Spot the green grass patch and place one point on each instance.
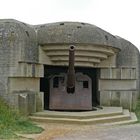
(137, 110)
(11, 123)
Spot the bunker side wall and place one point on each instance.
(19, 66)
(118, 87)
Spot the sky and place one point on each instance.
(119, 17)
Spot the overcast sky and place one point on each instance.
(119, 17)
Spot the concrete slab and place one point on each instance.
(106, 111)
(108, 119)
(105, 116)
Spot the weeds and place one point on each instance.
(137, 110)
(11, 122)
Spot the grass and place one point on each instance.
(137, 110)
(11, 123)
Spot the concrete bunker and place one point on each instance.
(35, 58)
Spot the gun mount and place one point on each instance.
(71, 90)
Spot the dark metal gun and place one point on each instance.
(71, 71)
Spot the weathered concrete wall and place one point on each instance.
(74, 32)
(129, 56)
(126, 99)
(22, 84)
(86, 55)
(117, 84)
(128, 69)
(18, 48)
(118, 87)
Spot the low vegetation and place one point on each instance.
(137, 110)
(12, 123)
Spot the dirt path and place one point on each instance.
(125, 132)
(54, 131)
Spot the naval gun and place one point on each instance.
(71, 71)
(71, 90)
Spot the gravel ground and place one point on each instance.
(127, 132)
(54, 131)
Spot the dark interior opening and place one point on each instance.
(49, 71)
(85, 84)
(55, 82)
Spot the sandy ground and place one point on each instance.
(54, 131)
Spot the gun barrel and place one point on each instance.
(71, 71)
